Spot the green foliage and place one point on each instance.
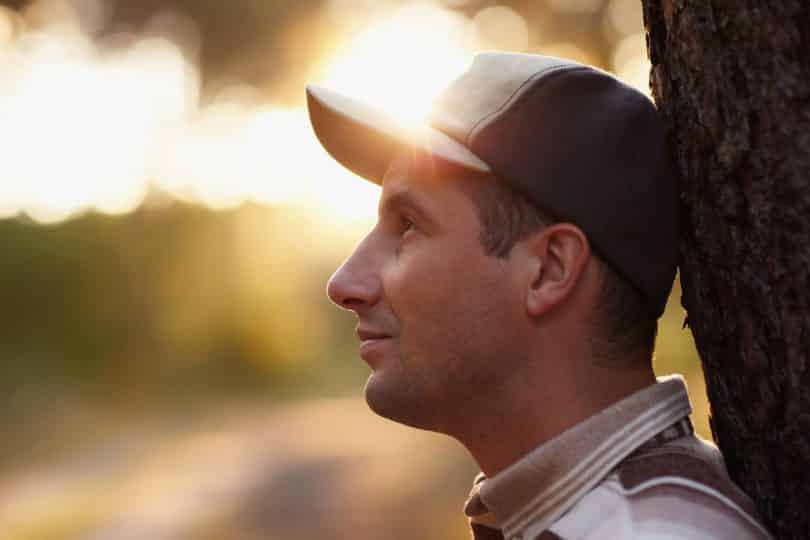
(172, 301)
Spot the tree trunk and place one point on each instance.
(732, 79)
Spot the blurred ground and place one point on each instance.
(246, 471)
(242, 470)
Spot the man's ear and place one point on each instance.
(559, 255)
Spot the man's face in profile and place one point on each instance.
(433, 308)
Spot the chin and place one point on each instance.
(397, 402)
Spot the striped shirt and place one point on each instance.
(635, 470)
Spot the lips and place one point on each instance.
(373, 344)
(367, 334)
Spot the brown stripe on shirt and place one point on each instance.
(673, 461)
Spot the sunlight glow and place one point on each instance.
(500, 27)
(624, 16)
(79, 123)
(630, 62)
(89, 122)
(398, 66)
(7, 24)
(232, 152)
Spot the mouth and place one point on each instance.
(366, 334)
(371, 342)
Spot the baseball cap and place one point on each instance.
(573, 139)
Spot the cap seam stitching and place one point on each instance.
(513, 97)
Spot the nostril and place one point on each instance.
(352, 303)
(345, 299)
(351, 294)
(340, 293)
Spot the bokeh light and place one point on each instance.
(624, 16)
(129, 112)
(569, 50)
(502, 28)
(575, 6)
(172, 366)
(81, 123)
(630, 62)
(396, 66)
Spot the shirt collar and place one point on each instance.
(544, 484)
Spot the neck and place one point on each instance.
(528, 411)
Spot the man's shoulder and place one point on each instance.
(688, 467)
(679, 490)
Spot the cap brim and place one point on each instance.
(364, 140)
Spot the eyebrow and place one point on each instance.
(404, 199)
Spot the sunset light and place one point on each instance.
(399, 67)
(130, 113)
(193, 284)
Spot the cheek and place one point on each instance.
(422, 284)
(447, 297)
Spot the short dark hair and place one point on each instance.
(628, 323)
(507, 217)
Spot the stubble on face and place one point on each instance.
(450, 303)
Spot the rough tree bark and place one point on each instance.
(732, 78)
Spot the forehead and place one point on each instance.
(417, 170)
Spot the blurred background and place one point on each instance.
(172, 368)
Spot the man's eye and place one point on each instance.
(405, 224)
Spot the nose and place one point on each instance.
(356, 284)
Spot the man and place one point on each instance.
(509, 293)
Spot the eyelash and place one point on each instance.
(406, 224)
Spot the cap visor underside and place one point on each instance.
(364, 139)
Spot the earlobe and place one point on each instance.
(559, 253)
